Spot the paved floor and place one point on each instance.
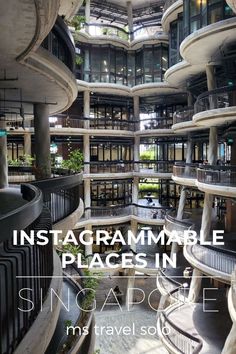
(139, 342)
(139, 320)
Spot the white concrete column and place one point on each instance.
(190, 99)
(209, 198)
(182, 201)
(86, 109)
(135, 190)
(130, 19)
(134, 230)
(211, 77)
(195, 286)
(130, 273)
(86, 150)
(213, 146)
(88, 248)
(42, 140)
(87, 198)
(27, 144)
(183, 195)
(87, 14)
(136, 109)
(136, 152)
(3, 158)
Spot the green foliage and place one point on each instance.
(77, 22)
(149, 187)
(79, 60)
(67, 323)
(148, 155)
(97, 351)
(24, 160)
(91, 281)
(75, 161)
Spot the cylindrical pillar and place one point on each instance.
(87, 198)
(42, 140)
(136, 109)
(135, 194)
(136, 152)
(130, 19)
(134, 230)
(86, 109)
(88, 248)
(86, 149)
(3, 156)
(213, 146)
(87, 14)
(195, 286)
(27, 144)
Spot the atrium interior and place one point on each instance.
(117, 116)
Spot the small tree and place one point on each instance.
(74, 162)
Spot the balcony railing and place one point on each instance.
(156, 123)
(185, 170)
(150, 212)
(101, 29)
(146, 212)
(218, 259)
(111, 211)
(183, 115)
(217, 175)
(220, 98)
(156, 166)
(61, 195)
(112, 124)
(177, 338)
(174, 224)
(110, 166)
(23, 266)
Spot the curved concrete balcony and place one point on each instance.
(114, 214)
(171, 10)
(182, 121)
(207, 42)
(35, 20)
(41, 76)
(218, 180)
(216, 107)
(156, 169)
(213, 261)
(97, 169)
(116, 35)
(155, 126)
(185, 173)
(145, 89)
(172, 224)
(193, 328)
(151, 214)
(178, 74)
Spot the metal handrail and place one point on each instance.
(214, 99)
(211, 256)
(20, 218)
(217, 175)
(192, 348)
